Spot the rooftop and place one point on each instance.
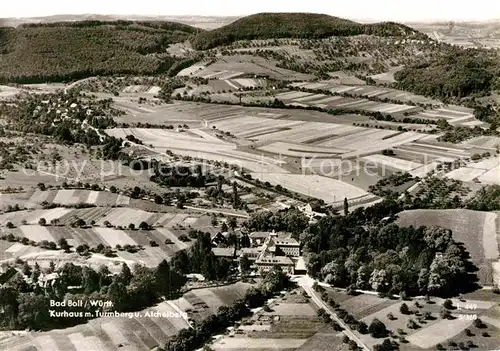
(224, 251)
(275, 259)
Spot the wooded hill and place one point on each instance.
(296, 25)
(34, 53)
(458, 72)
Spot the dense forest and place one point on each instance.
(295, 25)
(457, 73)
(37, 53)
(359, 252)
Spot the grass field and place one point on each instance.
(477, 230)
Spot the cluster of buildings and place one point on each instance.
(267, 250)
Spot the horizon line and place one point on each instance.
(245, 15)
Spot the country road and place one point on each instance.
(306, 284)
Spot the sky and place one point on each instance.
(396, 10)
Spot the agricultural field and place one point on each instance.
(330, 190)
(486, 171)
(477, 230)
(139, 331)
(365, 91)
(229, 67)
(290, 323)
(367, 307)
(331, 102)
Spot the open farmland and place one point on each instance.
(139, 331)
(203, 145)
(229, 67)
(331, 102)
(477, 230)
(486, 171)
(79, 196)
(328, 189)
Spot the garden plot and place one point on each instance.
(475, 229)
(209, 298)
(293, 95)
(328, 189)
(114, 237)
(36, 233)
(357, 138)
(387, 161)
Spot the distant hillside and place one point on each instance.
(33, 53)
(294, 25)
(458, 72)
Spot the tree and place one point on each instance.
(214, 221)
(448, 304)
(158, 199)
(42, 221)
(52, 267)
(352, 345)
(224, 227)
(144, 226)
(245, 241)
(63, 244)
(232, 223)
(10, 225)
(26, 269)
(125, 274)
(479, 323)
(404, 309)
(346, 207)
(377, 329)
(245, 265)
(118, 295)
(362, 327)
(446, 314)
(131, 226)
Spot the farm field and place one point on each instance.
(330, 190)
(486, 142)
(229, 67)
(328, 101)
(477, 230)
(486, 171)
(79, 196)
(366, 91)
(202, 145)
(139, 331)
